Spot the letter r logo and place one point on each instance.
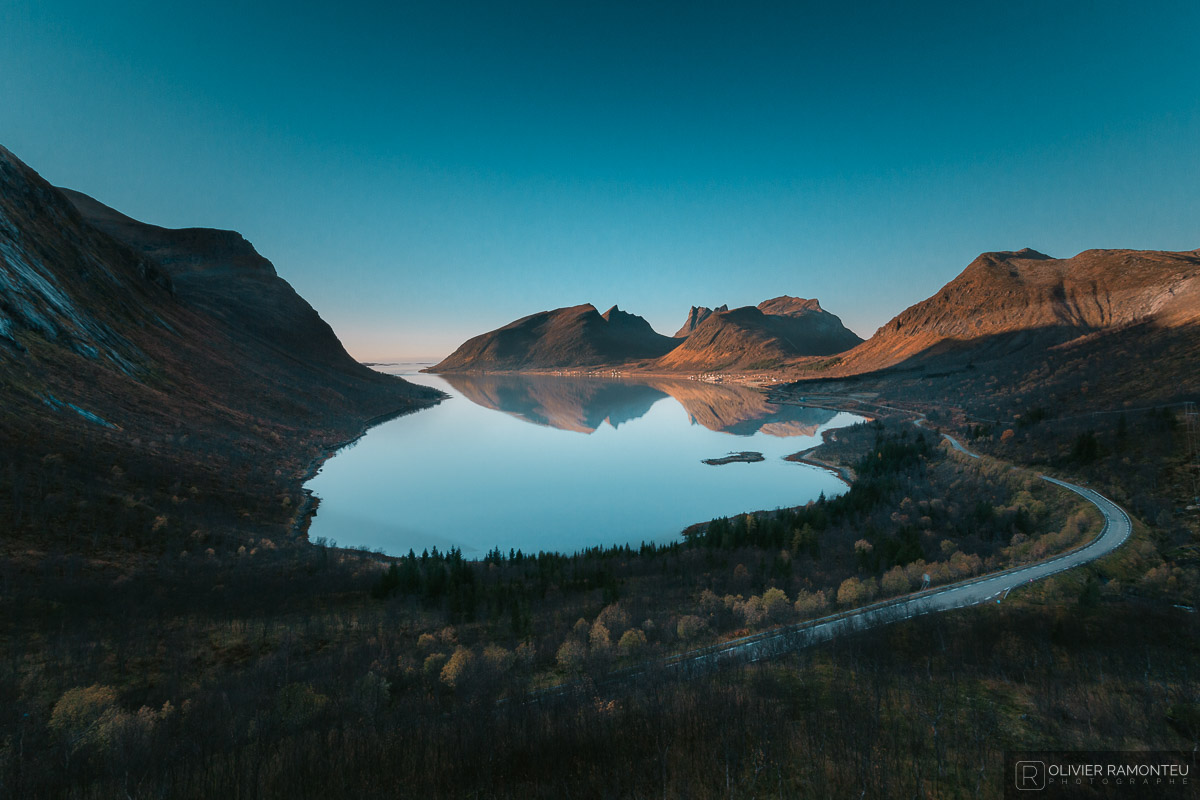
(1031, 776)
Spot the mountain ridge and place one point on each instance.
(577, 337)
(569, 337)
(114, 365)
(1007, 301)
(697, 315)
(221, 273)
(769, 335)
(1001, 303)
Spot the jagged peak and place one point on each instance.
(616, 315)
(695, 316)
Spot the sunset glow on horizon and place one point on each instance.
(425, 172)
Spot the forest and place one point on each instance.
(248, 666)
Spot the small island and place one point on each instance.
(744, 457)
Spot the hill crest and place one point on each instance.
(563, 338)
(1009, 300)
(772, 334)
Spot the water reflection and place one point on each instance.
(583, 404)
(472, 472)
(566, 403)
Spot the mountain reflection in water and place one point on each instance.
(473, 473)
(583, 404)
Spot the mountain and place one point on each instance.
(573, 337)
(730, 408)
(176, 362)
(583, 403)
(696, 315)
(788, 306)
(222, 274)
(1010, 302)
(569, 403)
(774, 333)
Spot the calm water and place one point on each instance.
(549, 463)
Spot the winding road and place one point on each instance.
(954, 443)
(973, 591)
(995, 586)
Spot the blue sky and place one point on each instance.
(422, 172)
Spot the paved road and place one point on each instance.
(920, 423)
(954, 443)
(995, 586)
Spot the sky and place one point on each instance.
(424, 172)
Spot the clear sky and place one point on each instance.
(422, 172)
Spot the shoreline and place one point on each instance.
(307, 508)
(747, 379)
(844, 474)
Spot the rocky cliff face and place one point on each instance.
(696, 315)
(63, 284)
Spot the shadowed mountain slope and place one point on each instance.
(566, 338)
(222, 274)
(752, 338)
(144, 353)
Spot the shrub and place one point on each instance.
(632, 641)
(895, 582)
(297, 703)
(433, 664)
(599, 637)
(571, 656)
(810, 604)
(457, 670)
(854, 592)
(776, 604)
(83, 715)
(690, 626)
(614, 618)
